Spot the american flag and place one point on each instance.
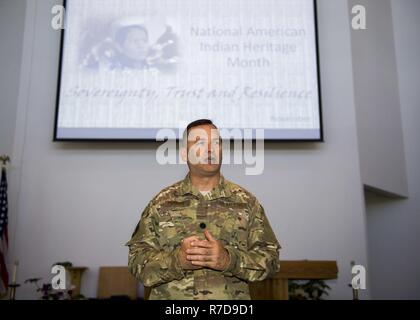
(4, 241)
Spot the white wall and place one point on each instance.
(377, 101)
(12, 17)
(394, 225)
(81, 201)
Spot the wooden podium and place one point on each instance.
(277, 288)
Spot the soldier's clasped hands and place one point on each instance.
(208, 253)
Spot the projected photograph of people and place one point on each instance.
(131, 44)
(130, 68)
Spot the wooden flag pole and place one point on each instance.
(14, 285)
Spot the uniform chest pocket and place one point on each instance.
(173, 226)
(232, 225)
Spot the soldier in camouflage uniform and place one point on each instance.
(203, 237)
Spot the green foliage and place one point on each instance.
(307, 289)
(46, 290)
(65, 264)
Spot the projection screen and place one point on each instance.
(129, 68)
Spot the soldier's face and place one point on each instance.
(204, 150)
(136, 44)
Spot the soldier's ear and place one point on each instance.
(184, 153)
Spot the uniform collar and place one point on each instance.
(220, 191)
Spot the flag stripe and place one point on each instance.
(4, 241)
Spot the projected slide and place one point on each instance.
(132, 67)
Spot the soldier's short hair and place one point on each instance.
(193, 124)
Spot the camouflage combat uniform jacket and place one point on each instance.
(231, 214)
